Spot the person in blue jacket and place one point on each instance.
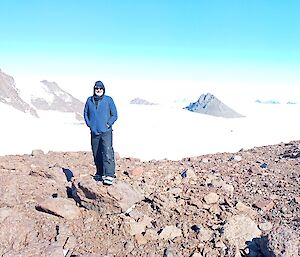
(100, 113)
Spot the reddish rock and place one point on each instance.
(61, 207)
(265, 205)
(136, 172)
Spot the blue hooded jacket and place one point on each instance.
(101, 118)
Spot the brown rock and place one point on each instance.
(265, 205)
(37, 152)
(211, 198)
(61, 207)
(136, 172)
(151, 235)
(140, 239)
(105, 199)
(240, 229)
(170, 232)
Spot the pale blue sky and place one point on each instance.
(243, 41)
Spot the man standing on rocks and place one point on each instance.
(100, 113)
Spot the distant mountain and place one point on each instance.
(56, 99)
(290, 102)
(46, 96)
(267, 102)
(9, 94)
(141, 101)
(273, 102)
(209, 104)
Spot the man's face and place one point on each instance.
(99, 91)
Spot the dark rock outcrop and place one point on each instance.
(211, 105)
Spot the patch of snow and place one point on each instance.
(7, 99)
(29, 89)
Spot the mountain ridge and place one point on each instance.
(48, 96)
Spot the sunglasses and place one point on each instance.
(98, 88)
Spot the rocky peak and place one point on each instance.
(9, 94)
(211, 105)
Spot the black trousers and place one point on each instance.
(103, 153)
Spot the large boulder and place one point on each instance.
(60, 207)
(94, 195)
(239, 229)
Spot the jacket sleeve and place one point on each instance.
(113, 113)
(86, 114)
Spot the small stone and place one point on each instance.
(168, 253)
(266, 226)
(205, 234)
(136, 172)
(151, 235)
(229, 189)
(170, 232)
(136, 227)
(205, 160)
(129, 246)
(196, 255)
(37, 152)
(135, 214)
(265, 205)
(211, 198)
(220, 244)
(140, 239)
(237, 158)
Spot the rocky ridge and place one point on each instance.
(61, 100)
(226, 204)
(57, 98)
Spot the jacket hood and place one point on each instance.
(100, 85)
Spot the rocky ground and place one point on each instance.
(226, 204)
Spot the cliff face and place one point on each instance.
(211, 105)
(9, 94)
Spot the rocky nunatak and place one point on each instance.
(226, 204)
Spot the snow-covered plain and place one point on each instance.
(154, 131)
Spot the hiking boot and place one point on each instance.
(108, 180)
